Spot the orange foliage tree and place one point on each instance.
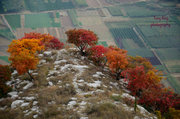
(117, 60)
(82, 39)
(23, 54)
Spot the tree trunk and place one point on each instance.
(117, 75)
(135, 104)
(30, 76)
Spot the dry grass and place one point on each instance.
(56, 112)
(42, 75)
(107, 111)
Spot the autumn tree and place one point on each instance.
(82, 39)
(139, 80)
(23, 54)
(96, 54)
(139, 61)
(5, 75)
(50, 42)
(117, 61)
(158, 98)
(55, 44)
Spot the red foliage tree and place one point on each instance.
(55, 44)
(96, 53)
(117, 61)
(82, 39)
(5, 75)
(158, 98)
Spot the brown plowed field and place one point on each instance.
(92, 3)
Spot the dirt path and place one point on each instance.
(57, 33)
(123, 12)
(22, 20)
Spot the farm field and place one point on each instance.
(13, 20)
(45, 5)
(124, 23)
(80, 3)
(44, 20)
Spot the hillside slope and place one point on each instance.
(69, 86)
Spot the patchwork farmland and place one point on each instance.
(124, 23)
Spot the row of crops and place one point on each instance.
(125, 33)
(160, 37)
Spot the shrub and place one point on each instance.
(55, 44)
(50, 42)
(96, 54)
(23, 54)
(5, 75)
(82, 39)
(117, 61)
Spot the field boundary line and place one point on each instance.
(6, 22)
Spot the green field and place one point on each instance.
(144, 52)
(115, 11)
(102, 43)
(171, 58)
(136, 11)
(80, 3)
(40, 20)
(11, 6)
(6, 33)
(174, 83)
(45, 5)
(5, 58)
(14, 21)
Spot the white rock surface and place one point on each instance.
(126, 95)
(42, 61)
(28, 98)
(24, 104)
(12, 93)
(84, 118)
(28, 86)
(16, 103)
(95, 84)
(60, 61)
(35, 103)
(72, 103)
(50, 83)
(114, 94)
(35, 116)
